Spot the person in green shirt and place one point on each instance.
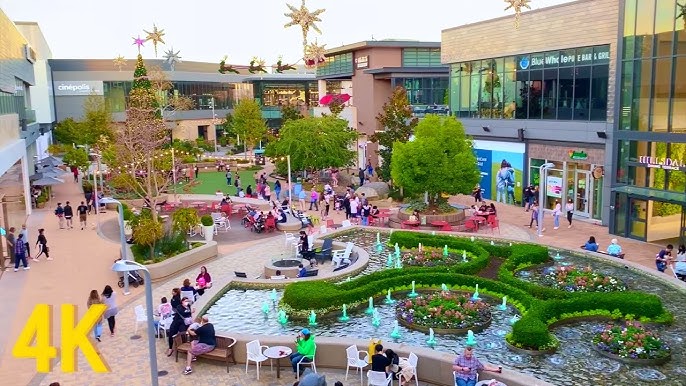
(304, 349)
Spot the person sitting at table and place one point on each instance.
(374, 212)
(414, 217)
(187, 287)
(379, 360)
(203, 281)
(483, 208)
(304, 349)
(282, 217)
(206, 342)
(590, 245)
(491, 209)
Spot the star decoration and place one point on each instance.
(155, 37)
(138, 42)
(314, 54)
(517, 5)
(171, 58)
(119, 62)
(304, 18)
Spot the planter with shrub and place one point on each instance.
(208, 226)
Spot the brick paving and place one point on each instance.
(83, 262)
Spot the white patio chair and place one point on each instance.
(346, 224)
(322, 229)
(255, 354)
(342, 256)
(290, 239)
(455, 377)
(310, 363)
(192, 232)
(221, 223)
(412, 359)
(354, 360)
(379, 378)
(141, 317)
(188, 294)
(163, 325)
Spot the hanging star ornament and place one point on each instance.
(304, 18)
(171, 58)
(138, 42)
(314, 54)
(517, 5)
(119, 62)
(155, 37)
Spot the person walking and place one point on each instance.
(267, 192)
(20, 254)
(93, 299)
(26, 238)
(197, 171)
(314, 199)
(82, 210)
(88, 196)
(75, 172)
(228, 177)
(361, 176)
(556, 214)
(42, 245)
(109, 300)
(59, 212)
(534, 214)
(476, 193)
(277, 189)
(569, 207)
(68, 215)
(10, 239)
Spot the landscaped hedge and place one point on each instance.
(540, 305)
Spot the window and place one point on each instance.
(535, 93)
(566, 96)
(421, 57)
(664, 26)
(341, 64)
(661, 90)
(582, 92)
(599, 84)
(549, 98)
(625, 96)
(679, 97)
(640, 118)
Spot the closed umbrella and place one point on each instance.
(47, 181)
(51, 161)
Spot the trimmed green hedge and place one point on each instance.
(541, 304)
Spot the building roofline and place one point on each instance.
(524, 14)
(382, 44)
(404, 70)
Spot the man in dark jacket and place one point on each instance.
(68, 215)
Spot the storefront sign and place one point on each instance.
(578, 155)
(553, 186)
(598, 172)
(362, 62)
(565, 58)
(82, 88)
(661, 163)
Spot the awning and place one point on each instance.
(653, 194)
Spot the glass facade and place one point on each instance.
(649, 182)
(341, 64)
(424, 91)
(569, 84)
(201, 93)
(421, 57)
(275, 94)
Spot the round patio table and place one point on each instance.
(278, 352)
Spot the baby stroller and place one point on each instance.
(134, 279)
(258, 226)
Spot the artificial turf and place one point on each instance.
(210, 180)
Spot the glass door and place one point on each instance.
(682, 234)
(638, 218)
(581, 193)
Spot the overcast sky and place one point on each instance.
(206, 30)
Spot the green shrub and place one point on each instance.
(168, 246)
(530, 333)
(206, 220)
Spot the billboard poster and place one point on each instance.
(553, 186)
(484, 162)
(491, 156)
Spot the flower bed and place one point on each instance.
(573, 279)
(430, 257)
(445, 312)
(631, 343)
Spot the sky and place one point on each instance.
(207, 30)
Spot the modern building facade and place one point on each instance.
(74, 80)
(540, 93)
(370, 70)
(649, 160)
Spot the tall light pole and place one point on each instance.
(214, 126)
(288, 160)
(126, 266)
(542, 171)
(122, 236)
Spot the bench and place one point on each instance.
(222, 352)
(311, 272)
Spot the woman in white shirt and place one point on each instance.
(556, 214)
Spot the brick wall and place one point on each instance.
(561, 153)
(570, 25)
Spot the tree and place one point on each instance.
(397, 124)
(138, 144)
(77, 157)
(290, 112)
(95, 126)
(248, 123)
(314, 143)
(439, 160)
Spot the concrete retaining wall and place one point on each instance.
(182, 262)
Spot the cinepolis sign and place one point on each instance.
(65, 88)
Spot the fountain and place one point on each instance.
(503, 306)
(514, 319)
(432, 340)
(413, 294)
(397, 250)
(419, 248)
(471, 340)
(395, 334)
(444, 288)
(348, 279)
(370, 309)
(557, 256)
(344, 317)
(376, 318)
(433, 233)
(283, 318)
(472, 238)
(492, 242)
(379, 246)
(389, 262)
(510, 244)
(476, 293)
(313, 318)
(464, 256)
(265, 308)
(389, 300)
(398, 263)
(445, 251)
(273, 295)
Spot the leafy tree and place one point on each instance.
(77, 157)
(314, 143)
(96, 124)
(439, 160)
(68, 131)
(290, 112)
(397, 123)
(248, 123)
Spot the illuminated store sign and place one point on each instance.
(661, 163)
(85, 88)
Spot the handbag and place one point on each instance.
(188, 321)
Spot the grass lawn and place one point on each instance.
(211, 180)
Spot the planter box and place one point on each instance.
(452, 218)
(182, 262)
(529, 352)
(631, 361)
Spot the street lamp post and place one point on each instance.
(288, 160)
(542, 170)
(126, 266)
(214, 127)
(122, 236)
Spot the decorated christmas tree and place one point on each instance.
(140, 75)
(142, 97)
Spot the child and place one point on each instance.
(197, 322)
(663, 258)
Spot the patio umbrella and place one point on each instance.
(47, 181)
(51, 161)
(328, 98)
(52, 169)
(44, 174)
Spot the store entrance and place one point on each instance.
(638, 218)
(579, 190)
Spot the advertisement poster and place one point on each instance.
(489, 158)
(553, 186)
